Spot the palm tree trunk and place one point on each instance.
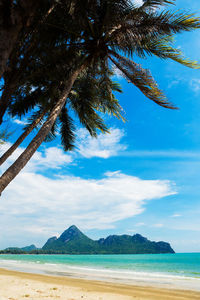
(10, 151)
(12, 21)
(12, 83)
(23, 159)
(8, 38)
(5, 99)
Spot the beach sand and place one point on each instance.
(19, 286)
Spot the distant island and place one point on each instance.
(73, 241)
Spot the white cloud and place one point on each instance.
(20, 122)
(106, 145)
(139, 224)
(117, 72)
(159, 225)
(37, 207)
(176, 215)
(162, 153)
(138, 2)
(195, 84)
(51, 157)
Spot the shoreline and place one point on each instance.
(142, 279)
(17, 285)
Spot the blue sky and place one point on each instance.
(142, 178)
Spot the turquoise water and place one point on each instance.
(184, 264)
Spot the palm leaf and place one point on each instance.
(142, 79)
(161, 48)
(66, 130)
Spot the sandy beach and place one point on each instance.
(17, 286)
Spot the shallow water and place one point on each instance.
(170, 270)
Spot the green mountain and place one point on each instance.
(29, 248)
(73, 241)
(16, 250)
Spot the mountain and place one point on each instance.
(29, 248)
(17, 250)
(73, 241)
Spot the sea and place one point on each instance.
(164, 270)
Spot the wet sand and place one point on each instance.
(19, 286)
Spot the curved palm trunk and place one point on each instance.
(5, 99)
(4, 102)
(10, 151)
(8, 38)
(23, 159)
(12, 21)
(13, 81)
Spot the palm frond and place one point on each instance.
(24, 102)
(88, 117)
(138, 26)
(161, 48)
(67, 129)
(155, 3)
(142, 79)
(52, 133)
(35, 115)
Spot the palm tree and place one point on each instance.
(22, 137)
(16, 17)
(88, 96)
(111, 32)
(21, 22)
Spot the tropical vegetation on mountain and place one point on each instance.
(52, 66)
(73, 241)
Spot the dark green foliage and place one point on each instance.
(64, 64)
(16, 250)
(12, 250)
(73, 241)
(29, 248)
(87, 29)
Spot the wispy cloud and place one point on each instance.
(105, 146)
(159, 225)
(162, 153)
(138, 2)
(51, 205)
(47, 158)
(117, 73)
(176, 215)
(195, 84)
(140, 224)
(38, 205)
(20, 122)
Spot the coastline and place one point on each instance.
(113, 276)
(20, 285)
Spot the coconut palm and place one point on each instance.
(19, 20)
(20, 23)
(105, 32)
(89, 96)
